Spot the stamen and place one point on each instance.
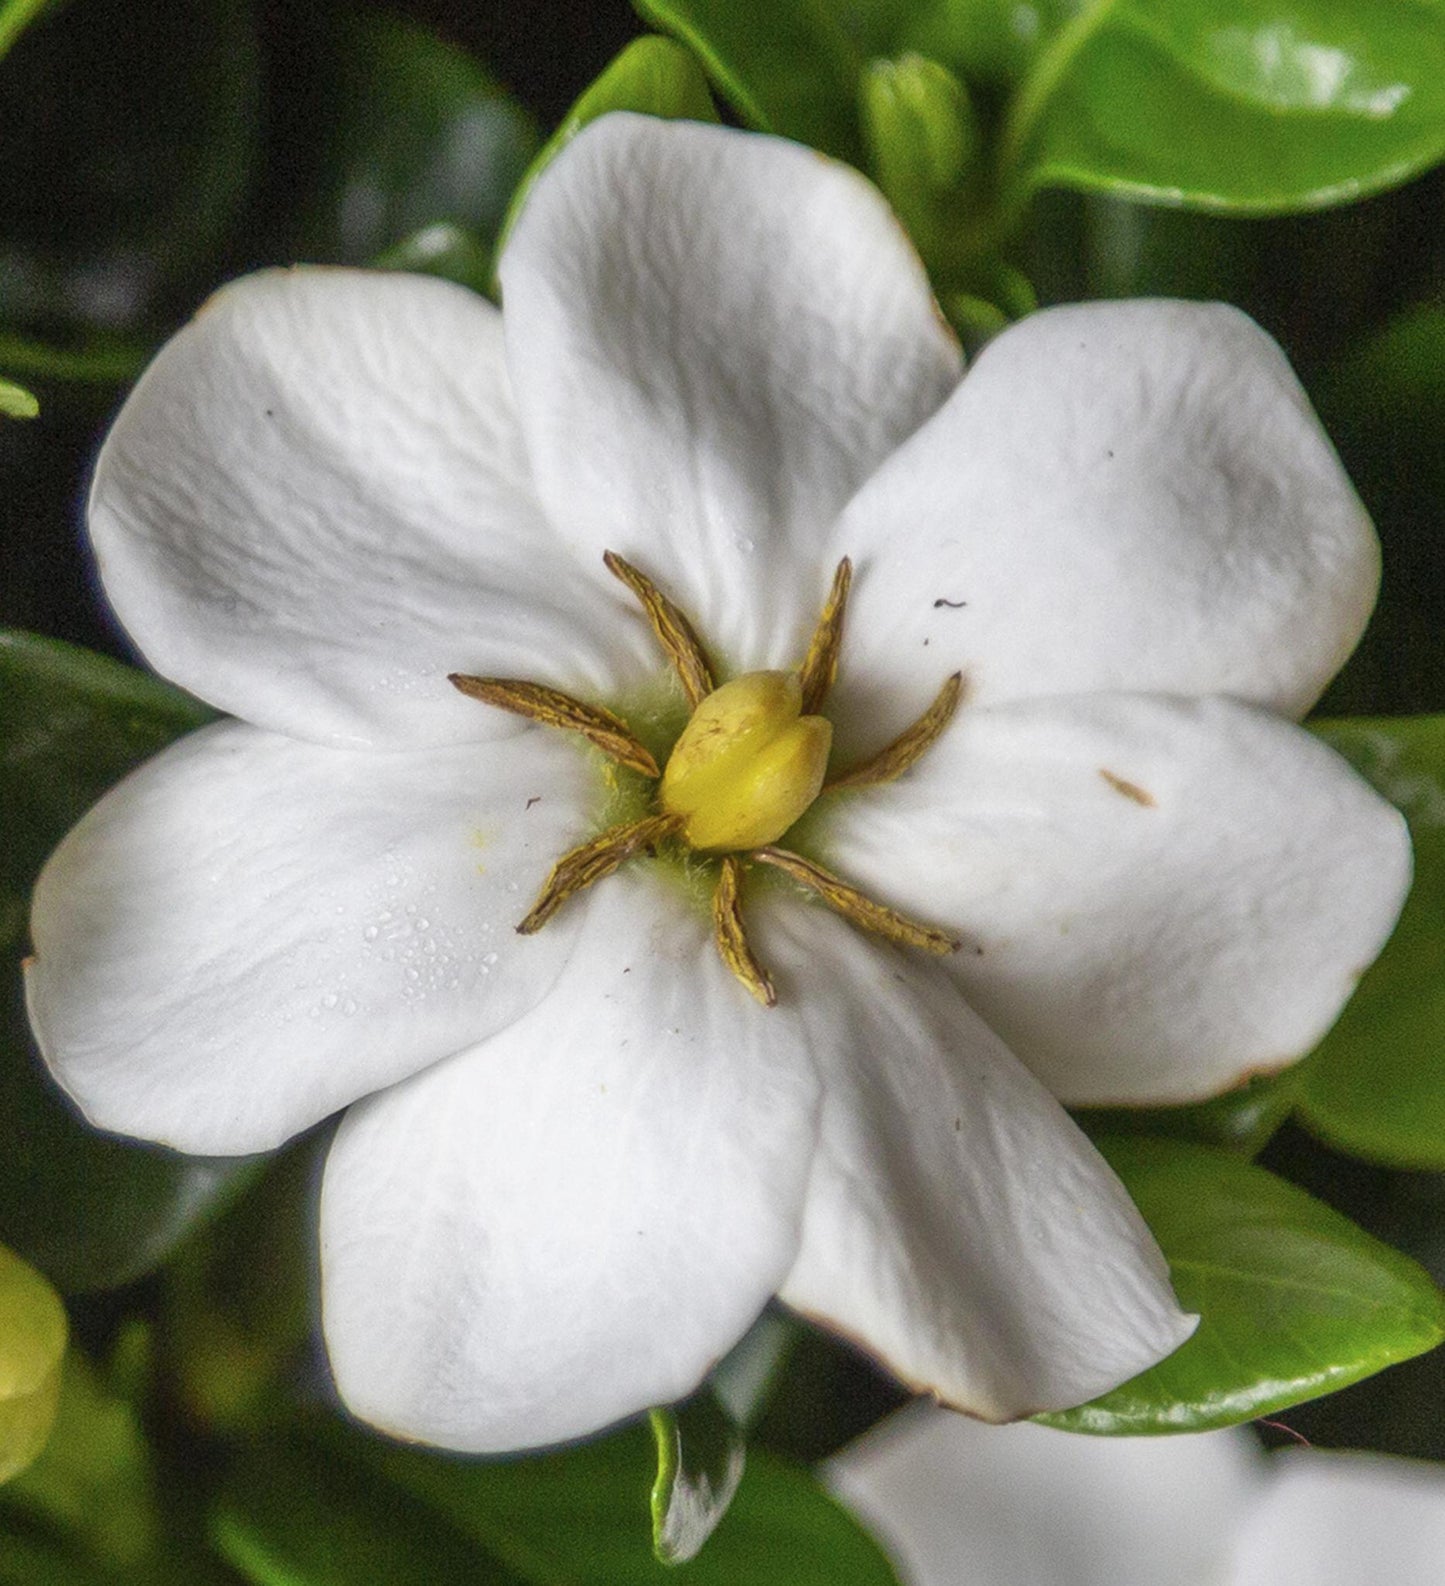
(820, 666)
(583, 866)
(854, 906)
(909, 746)
(672, 629)
(731, 938)
(550, 706)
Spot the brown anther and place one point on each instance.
(855, 906)
(670, 627)
(590, 862)
(909, 746)
(731, 938)
(553, 708)
(820, 666)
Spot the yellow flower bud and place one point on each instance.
(748, 763)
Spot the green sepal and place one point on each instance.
(1294, 1300)
(33, 1334)
(444, 250)
(16, 402)
(1376, 1086)
(89, 1211)
(700, 1461)
(652, 76)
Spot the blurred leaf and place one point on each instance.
(395, 132)
(786, 66)
(33, 1332)
(143, 120)
(90, 1212)
(16, 402)
(580, 1517)
(238, 1304)
(1294, 1300)
(290, 1514)
(94, 1483)
(96, 360)
(15, 17)
(652, 76)
(700, 1461)
(1376, 1087)
(445, 250)
(1252, 109)
(1241, 1120)
(1383, 402)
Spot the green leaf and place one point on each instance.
(93, 360)
(95, 1483)
(128, 139)
(394, 131)
(33, 1333)
(700, 1461)
(1251, 109)
(445, 250)
(15, 17)
(1376, 1087)
(90, 1212)
(16, 402)
(786, 66)
(580, 1517)
(652, 76)
(1294, 1300)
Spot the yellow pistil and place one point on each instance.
(750, 761)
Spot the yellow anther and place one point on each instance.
(747, 765)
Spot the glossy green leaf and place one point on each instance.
(445, 250)
(16, 402)
(93, 360)
(128, 140)
(1253, 108)
(1376, 1087)
(652, 76)
(580, 1517)
(33, 1333)
(15, 17)
(700, 1461)
(1241, 1120)
(90, 1212)
(1294, 1300)
(394, 131)
(788, 66)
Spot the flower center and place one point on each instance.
(751, 759)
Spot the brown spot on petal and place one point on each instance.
(1130, 790)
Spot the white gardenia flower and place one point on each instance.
(577, 1162)
(955, 1502)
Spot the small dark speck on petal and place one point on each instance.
(536, 798)
(925, 644)
(1130, 790)
(953, 605)
(270, 413)
(1110, 453)
(958, 1125)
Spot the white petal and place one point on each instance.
(1119, 496)
(1157, 897)
(715, 337)
(1346, 1520)
(958, 1224)
(250, 932)
(577, 1219)
(958, 1503)
(315, 505)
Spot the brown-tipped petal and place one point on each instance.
(579, 869)
(674, 632)
(910, 745)
(731, 938)
(854, 906)
(553, 708)
(820, 666)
